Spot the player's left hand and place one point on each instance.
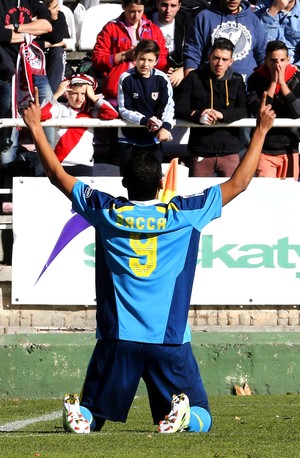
(266, 115)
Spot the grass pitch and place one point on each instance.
(243, 427)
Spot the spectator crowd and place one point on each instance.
(207, 62)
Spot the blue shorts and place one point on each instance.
(115, 370)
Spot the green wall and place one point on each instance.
(38, 366)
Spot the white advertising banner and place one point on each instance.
(251, 255)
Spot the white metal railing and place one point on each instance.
(5, 223)
(86, 122)
(5, 219)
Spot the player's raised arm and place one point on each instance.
(248, 165)
(53, 169)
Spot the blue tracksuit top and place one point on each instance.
(141, 98)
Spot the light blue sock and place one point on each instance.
(200, 420)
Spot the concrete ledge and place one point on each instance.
(35, 366)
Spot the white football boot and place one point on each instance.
(73, 420)
(179, 417)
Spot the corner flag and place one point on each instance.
(169, 182)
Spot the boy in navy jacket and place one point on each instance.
(145, 97)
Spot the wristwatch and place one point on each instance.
(16, 27)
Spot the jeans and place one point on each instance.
(10, 136)
(55, 66)
(5, 112)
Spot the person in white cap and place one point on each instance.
(74, 146)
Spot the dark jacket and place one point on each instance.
(283, 139)
(10, 14)
(59, 31)
(228, 95)
(175, 58)
(194, 6)
(141, 98)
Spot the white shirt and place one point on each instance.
(168, 31)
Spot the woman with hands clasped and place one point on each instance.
(113, 53)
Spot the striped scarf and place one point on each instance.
(30, 61)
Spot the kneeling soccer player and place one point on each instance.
(146, 256)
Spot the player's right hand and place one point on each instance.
(32, 114)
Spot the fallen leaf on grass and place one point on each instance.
(243, 390)
(247, 390)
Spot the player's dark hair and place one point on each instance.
(146, 46)
(222, 43)
(142, 174)
(276, 45)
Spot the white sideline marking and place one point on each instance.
(16, 425)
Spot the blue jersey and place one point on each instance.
(146, 257)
